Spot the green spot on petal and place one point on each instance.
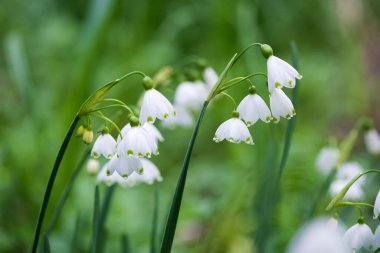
(139, 154)
(130, 152)
(141, 170)
(277, 84)
(150, 119)
(166, 115)
(125, 176)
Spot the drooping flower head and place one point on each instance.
(154, 104)
(376, 208)
(92, 167)
(105, 145)
(154, 132)
(318, 237)
(183, 118)
(372, 141)
(233, 130)
(124, 165)
(359, 236)
(190, 95)
(280, 73)
(253, 107)
(327, 159)
(280, 105)
(210, 77)
(137, 141)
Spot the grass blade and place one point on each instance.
(95, 221)
(153, 242)
(74, 242)
(171, 223)
(125, 247)
(46, 248)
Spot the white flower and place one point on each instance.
(210, 77)
(92, 167)
(183, 118)
(372, 141)
(376, 241)
(233, 130)
(123, 132)
(138, 142)
(376, 209)
(104, 145)
(281, 73)
(155, 105)
(190, 95)
(252, 108)
(354, 193)
(124, 165)
(151, 173)
(109, 180)
(281, 105)
(327, 159)
(318, 237)
(349, 170)
(153, 132)
(359, 236)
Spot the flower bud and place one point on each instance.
(148, 83)
(80, 131)
(88, 135)
(266, 50)
(92, 167)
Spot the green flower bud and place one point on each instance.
(80, 131)
(148, 83)
(266, 50)
(88, 135)
(134, 121)
(105, 130)
(252, 90)
(361, 220)
(235, 114)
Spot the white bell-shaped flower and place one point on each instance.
(210, 77)
(191, 95)
(354, 193)
(151, 173)
(105, 145)
(137, 142)
(92, 167)
(348, 170)
(233, 130)
(327, 159)
(372, 141)
(124, 165)
(183, 118)
(280, 105)
(155, 105)
(376, 241)
(318, 237)
(253, 107)
(376, 208)
(123, 132)
(281, 73)
(154, 132)
(359, 236)
(109, 179)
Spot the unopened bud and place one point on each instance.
(80, 131)
(92, 167)
(88, 135)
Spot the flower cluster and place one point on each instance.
(127, 155)
(253, 107)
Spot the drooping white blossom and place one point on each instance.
(123, 132)
(155, 105)
(124, 165)
(252, 108)
(376, 209)
(376, 241)
(151, 173)
(280, 105)
(191, 95)
(183, 118)
(92, 167)
(372, 141)
(354, 193)
(154, 132)
(210, 77)
(281, 74)
(327, 159)
(105, 145)
(233, 130)
(348, 170)
(138, 142)
(318, 237)
(359, 236)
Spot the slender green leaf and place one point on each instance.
(75, 239)
(95, 221)
(171, 223)
(153, 242)
(50, 185)
(46, 248)
(125, 247)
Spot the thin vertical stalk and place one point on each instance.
(66, 192)
(171, 223)
(75, 238)
(153, 241)
(50, 184)
(95, 221)
(125, 247)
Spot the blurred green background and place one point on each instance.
(55, 53)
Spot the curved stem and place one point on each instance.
(142, 74)
(50, 184)
(112, 106)
(354, 204)
(246, 49)
(171, 223)
(113, 100)
(230, 97)
(66, 192)
(100, 116)
(238, 80)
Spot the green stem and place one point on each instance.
(95, 221)
(50, 184)
(353, 204)
(112, 106)
(233, 82)
(66, 192)
(231, 98)
(100, 116)
(343, 192)
(171, 223)
(125, 247)
(153, 242)
(246, 49)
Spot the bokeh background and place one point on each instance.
(55, 53)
